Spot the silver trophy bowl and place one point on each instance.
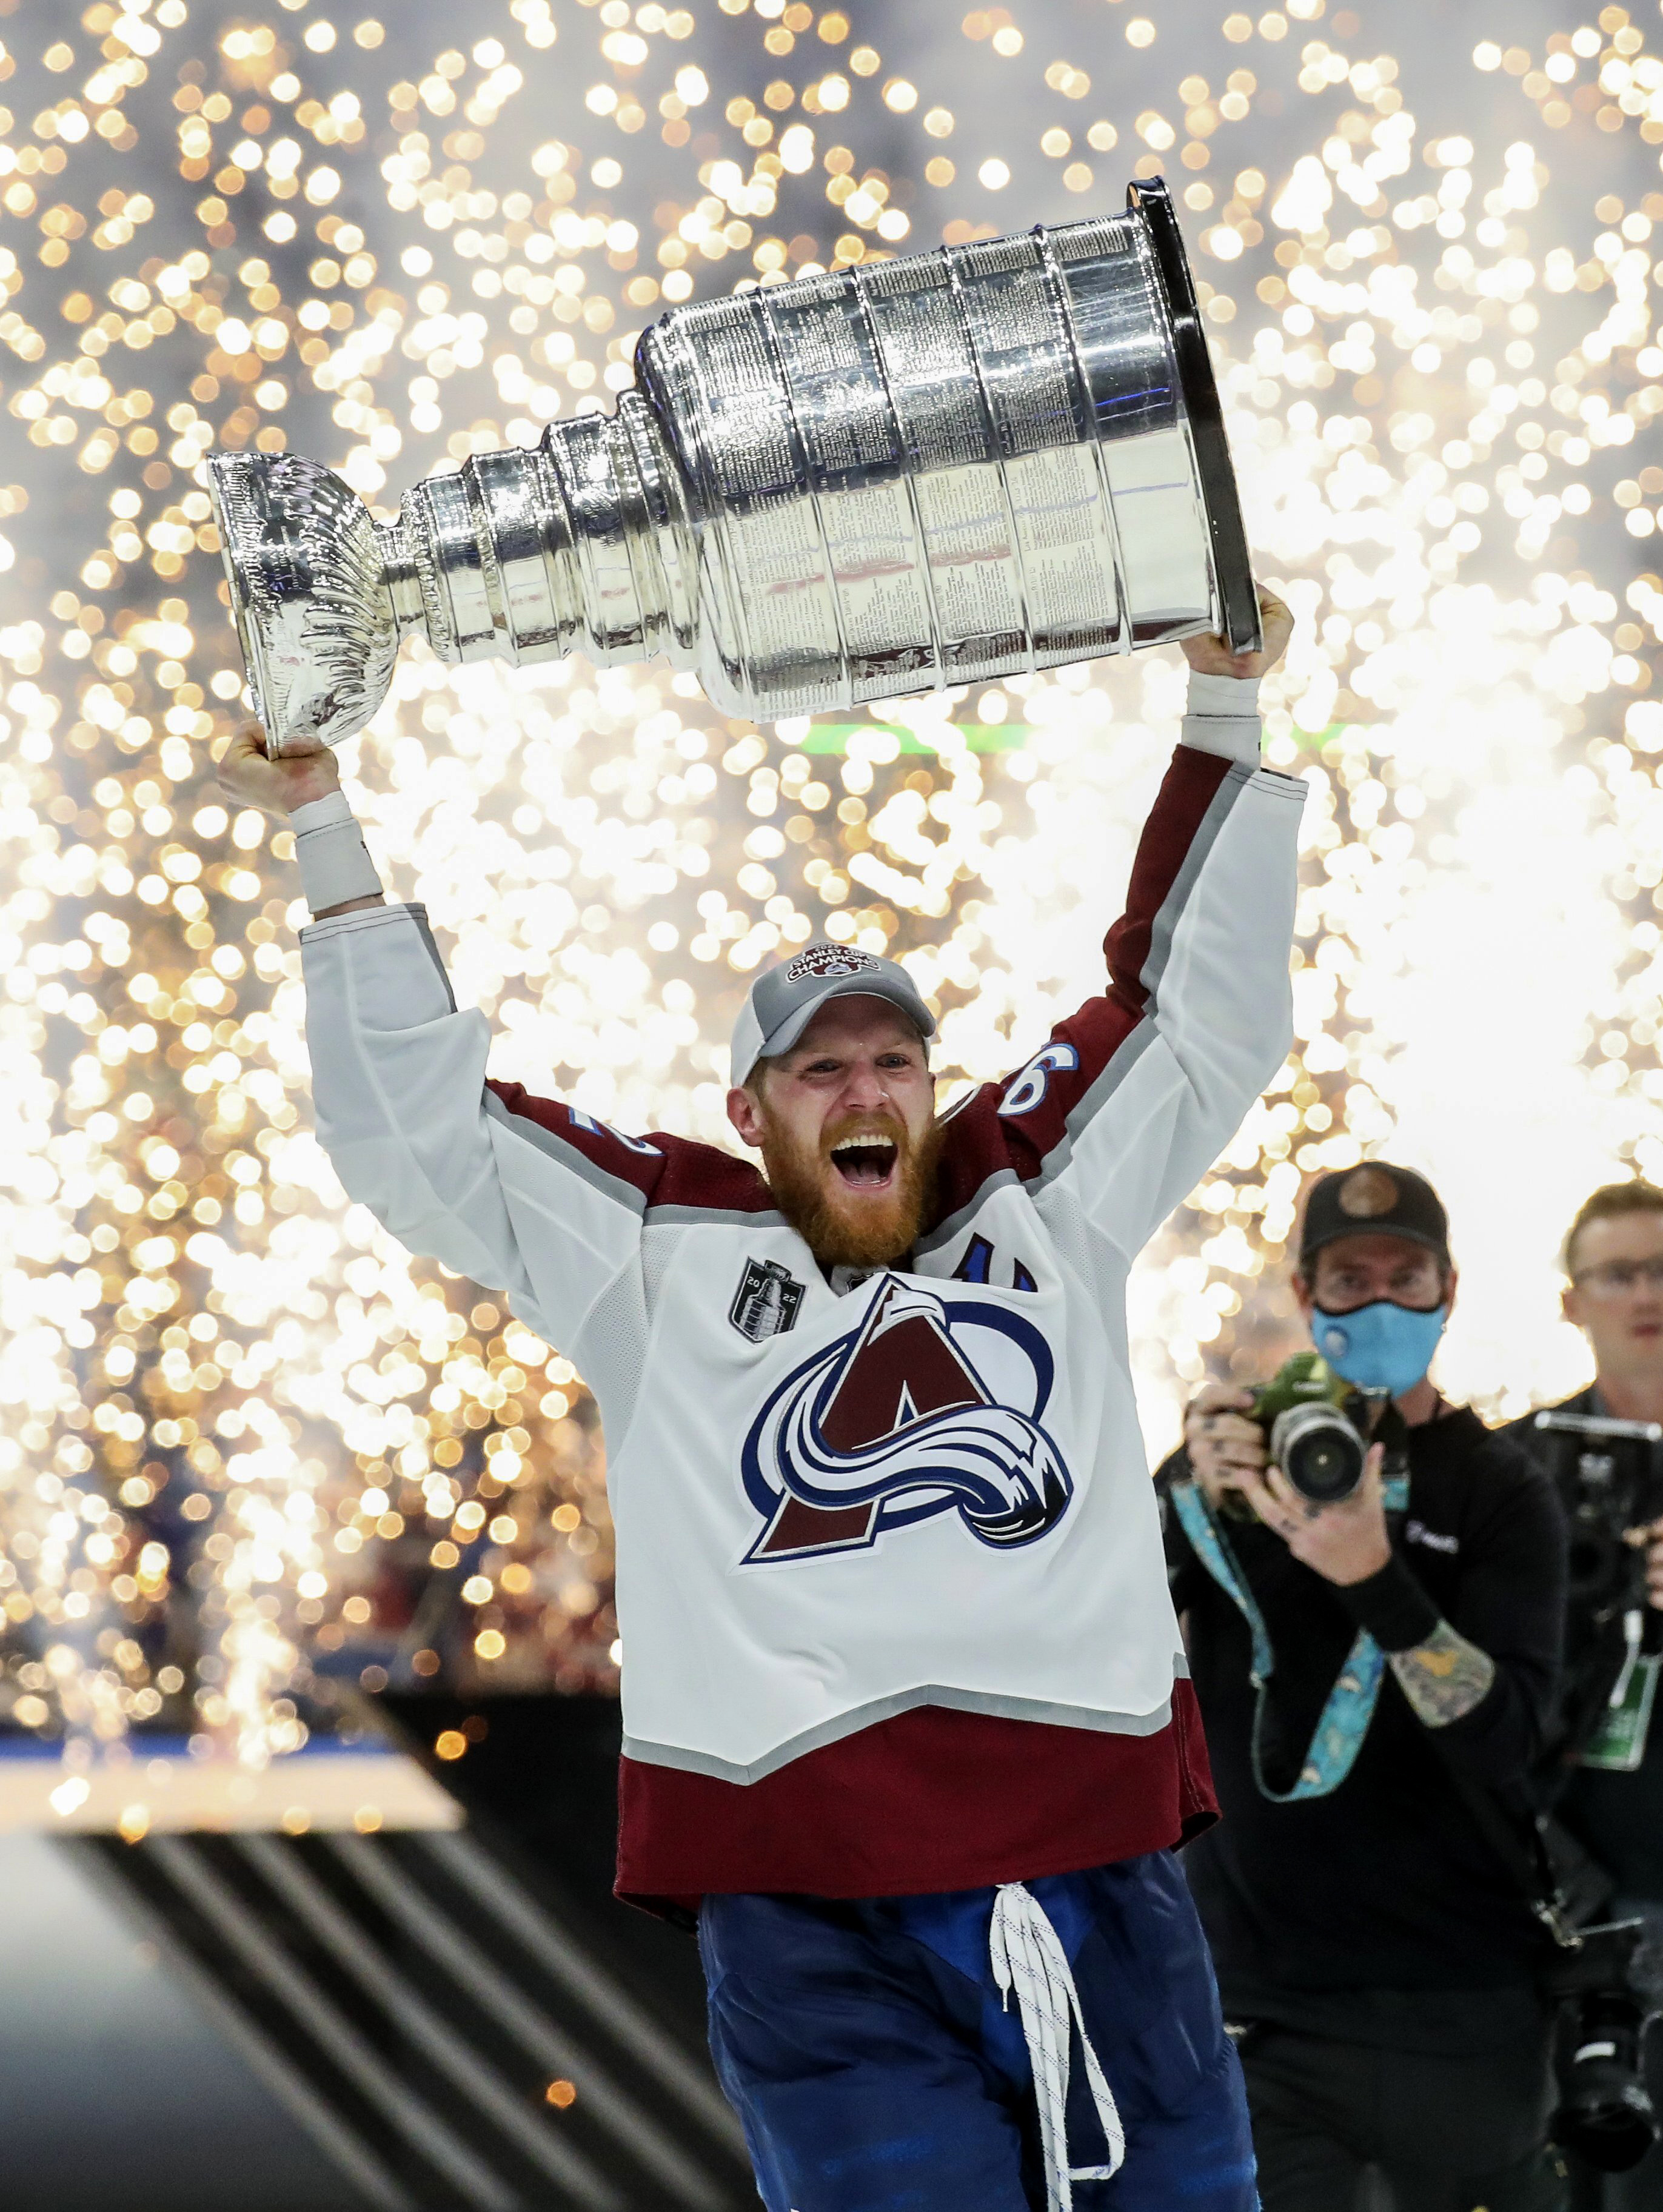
(977, 463)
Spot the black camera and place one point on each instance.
(1610, 1478)
(1604, 2113)
(1317, 1426)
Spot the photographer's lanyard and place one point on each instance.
(1343, 1721)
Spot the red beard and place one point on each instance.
(840, 1226)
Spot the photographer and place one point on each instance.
(1350, 1659)
(1613, 1259)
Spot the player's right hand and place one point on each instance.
(275, 786)
(1223, 1444)
(1210, 656)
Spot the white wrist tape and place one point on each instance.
(335, 862)
(1222, 717)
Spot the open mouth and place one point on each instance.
(864, 1163)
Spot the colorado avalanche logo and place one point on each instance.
(931, 1405)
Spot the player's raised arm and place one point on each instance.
(522, 1195)
(1133, 1097)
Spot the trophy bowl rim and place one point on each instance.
(1151, 198)
(223, 465)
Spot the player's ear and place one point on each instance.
(745, 1111)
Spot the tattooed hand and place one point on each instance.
(1346, 1542)
(1221, 1443)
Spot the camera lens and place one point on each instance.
(1605, 2114)
(1323, 1466)
(1319, 1451)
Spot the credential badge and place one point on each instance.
(767, 1301)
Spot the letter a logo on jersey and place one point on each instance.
(931, 1406)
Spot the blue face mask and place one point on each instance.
(1380, 1346)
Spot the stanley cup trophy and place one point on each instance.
(973, 463)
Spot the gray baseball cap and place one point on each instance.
(784, 1000)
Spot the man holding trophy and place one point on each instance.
(907, 1725)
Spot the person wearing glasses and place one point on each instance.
(1361, 1665)
(1613, 1263)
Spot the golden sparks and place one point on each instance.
(243, 1437)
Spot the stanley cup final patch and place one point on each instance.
(767, 1301)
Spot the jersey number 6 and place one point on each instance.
(1028, 1088)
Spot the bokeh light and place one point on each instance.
(244, 1439)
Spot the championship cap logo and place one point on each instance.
(929, 1406)
(829, 962)
(1368, 1193)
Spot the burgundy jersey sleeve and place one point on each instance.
(1131, 1098)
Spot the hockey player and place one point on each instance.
(908, 1726)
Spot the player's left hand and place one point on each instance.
(1212, 657)
(1346, 1542)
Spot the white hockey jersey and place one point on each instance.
(932, 1489)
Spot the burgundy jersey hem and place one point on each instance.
(931, 1800)
(973, 1870)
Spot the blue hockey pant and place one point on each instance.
(864, 2045)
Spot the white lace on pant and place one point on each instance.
(1028, 1956)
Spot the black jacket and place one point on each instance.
(1387, 1883)
(1616, 1817)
